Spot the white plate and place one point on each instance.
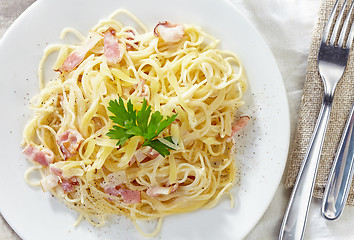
(262, 148)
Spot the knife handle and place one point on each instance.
(295, 217)
(340, 178)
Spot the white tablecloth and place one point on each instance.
(287, 27)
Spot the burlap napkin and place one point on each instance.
(310, 107)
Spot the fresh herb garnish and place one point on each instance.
(131, 122)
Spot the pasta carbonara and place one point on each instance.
(177, 69)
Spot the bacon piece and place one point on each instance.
(48, 182)
(112, 186)
(130, 196)
(156, 191)
(152, 153)
(144, 90)
(139, 155)
(169, 32)
(131, 37)
(113, 50)
(68, 185)
(132, 161)
(56, 171)
(143, 154)
(77, 56)
(43, 157)
(69, 141)
(112, 191)
(239, 124)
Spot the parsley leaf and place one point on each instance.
(130, 122)
(160, 147)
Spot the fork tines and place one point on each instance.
(348, 21)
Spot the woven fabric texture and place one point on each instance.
(310, 107)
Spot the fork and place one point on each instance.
(332, 60)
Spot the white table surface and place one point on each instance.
(286, 26)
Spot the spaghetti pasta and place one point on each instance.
(182, 73)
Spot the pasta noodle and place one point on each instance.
(190, 77)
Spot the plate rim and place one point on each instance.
(254, 29)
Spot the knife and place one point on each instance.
(340, 178)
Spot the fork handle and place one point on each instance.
(295, 217)
(340, 178)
